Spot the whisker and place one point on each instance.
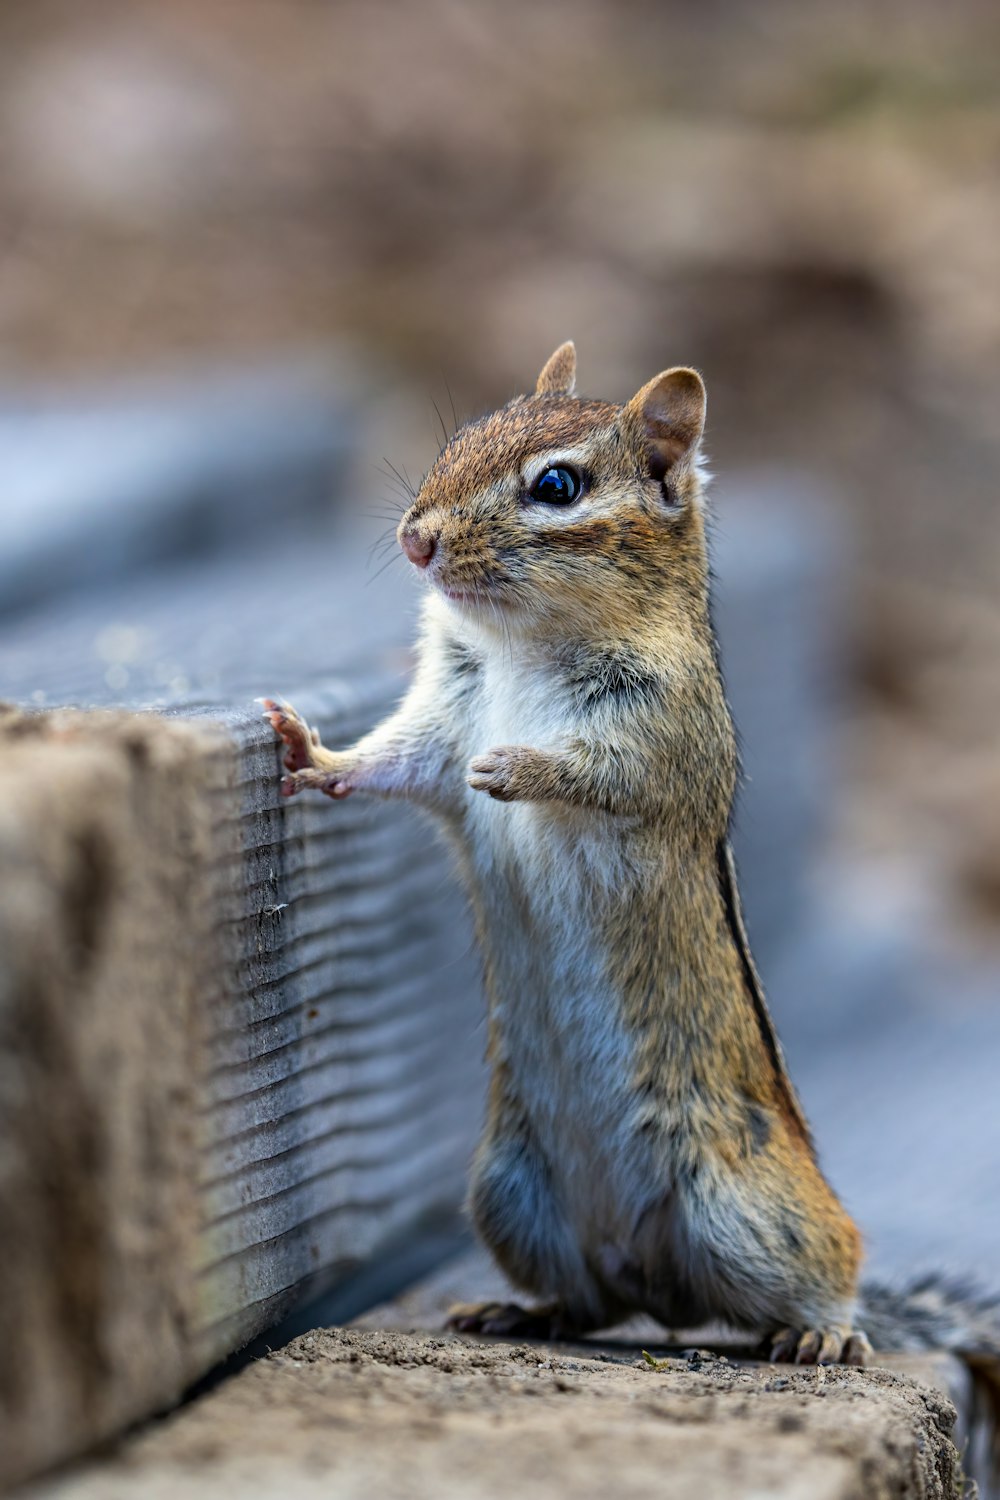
(388, 533)
(382, 544)
(387, 564)
(510, 639)
(403, 479)
(397, 497)
(444, 430)
(454, 413)
(387, 470)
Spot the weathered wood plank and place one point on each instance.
(223, 1077)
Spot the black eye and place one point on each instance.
(557, 487)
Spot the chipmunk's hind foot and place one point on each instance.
(817, 1346)
(511, 1320)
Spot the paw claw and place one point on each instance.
(507, 1320)
(783, 1345)
(807, 1352)
(818, 1346)
(494, 772)
(484, 784)
(300, 740)
(857, 1350)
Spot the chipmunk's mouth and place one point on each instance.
(458, 590)
(460, 596)
(483, 592)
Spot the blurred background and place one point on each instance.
(248, 249)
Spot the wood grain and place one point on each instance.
(282, 997)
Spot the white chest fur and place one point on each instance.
(544, 877)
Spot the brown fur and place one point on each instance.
(698, 1193)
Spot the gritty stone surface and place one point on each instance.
(356, 1413)
(396, 1405)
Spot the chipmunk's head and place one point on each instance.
(567, 514)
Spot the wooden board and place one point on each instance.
(240, 1052)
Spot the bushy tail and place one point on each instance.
(932, 1312)
(951, 1314)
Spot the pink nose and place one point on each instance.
(419, 549)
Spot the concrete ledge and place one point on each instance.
(395, 1406)
(357, 1413)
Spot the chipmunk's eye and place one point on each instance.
(557, 487)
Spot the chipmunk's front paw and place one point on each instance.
(311, 767)
(818, 1346)
(506, 773)
(300, 741)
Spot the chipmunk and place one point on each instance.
(644, 1149)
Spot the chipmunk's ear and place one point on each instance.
(558, 377)
(668, 418)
